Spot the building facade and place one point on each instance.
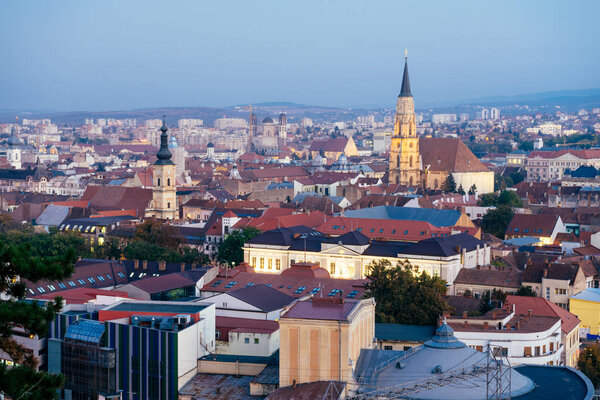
(164, 189)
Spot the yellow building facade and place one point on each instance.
(586, 305)
(321, 338)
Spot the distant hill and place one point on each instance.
(569, 99)
(208, 114)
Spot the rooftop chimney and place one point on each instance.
(507, 326)
(529, 313)
(486, 325)
(144, 264)
(162, 265)
(136, 264)
(465, 314)
(182, 266)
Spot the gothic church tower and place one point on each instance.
(164, 191)
(405, 159)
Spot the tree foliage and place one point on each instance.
(496, 221)
(449, 185)
(34, 257)
(405, 296)
(155, 232)
(231, 249)
(490, 300)
(589, 363)
(510, 198)
(526, 291)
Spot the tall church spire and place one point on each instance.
(164, 155)
(405, 91)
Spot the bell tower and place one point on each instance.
(405, 159)
(164, 190)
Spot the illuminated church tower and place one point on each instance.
(405, 159)
(164, 191)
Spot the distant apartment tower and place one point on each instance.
(443, 118)
(230, 123)
(484, 113)
(149, 123)
(463, 117)
(307, 122)
(494, 113)
(189, 123)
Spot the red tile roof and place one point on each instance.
(449, 155)
(333, 144)
(399, 230)
(83, 295)
(542, 307)
(532, 225)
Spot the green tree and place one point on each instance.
(488, 200)
(231, 249)
(589, 363)
(472, 190)
(460, 190)
(496, 221)
(526, 291)
(491, 299)
(155, 232)
(449, 185)
(517, 178)
(510, 198)
(526, 146)
(403, 295)
(43, 257)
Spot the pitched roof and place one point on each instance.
(330, 390)
(117, 198)
(262, 297)
(489, 277)
(158, 284)
(543, 307)
(321, 309)
(400, 230)
(438, 218)
(538, 225)
(333, 144)
(448, 155)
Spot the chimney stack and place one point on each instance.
(465, 314)
(529, 313)
(144, 264)
(162, 265)
(182, 266)
(486, 325)
(136, 264)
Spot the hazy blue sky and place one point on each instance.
(100, 55)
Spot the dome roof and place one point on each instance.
(444, 338)
(210, 144)
(267, 120)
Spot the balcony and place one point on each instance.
(542, 359)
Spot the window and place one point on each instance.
(158, 184)
(81, 281)
(253, 263)
(168, 181)
(551, 346)
(256, 340)
(548, 293)
(247, 340)
(41, 290)
(121, 275)
(270, 263)
(100, 278)
(61, 285)
(262, 263)
(537, 351)
(51, 287)
(71, 283)
(278, 264)
(168, 204)
(91, 280)
(527, 351)
(332, 268)
(217, 334)
(560, 291)
(387, 347)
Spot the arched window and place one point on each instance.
(410, 181)
(158, 184)
(398, 161)
(410, 162)
(168, 181)
(435, 184)
(397, 179)
(168, 204)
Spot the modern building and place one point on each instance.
(321, 338)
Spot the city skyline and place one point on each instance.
(112, 55)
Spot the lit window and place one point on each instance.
(253, 262)
(262, 263)
(270, 263)
(81, 281)
(71, 283)
(277, 264)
